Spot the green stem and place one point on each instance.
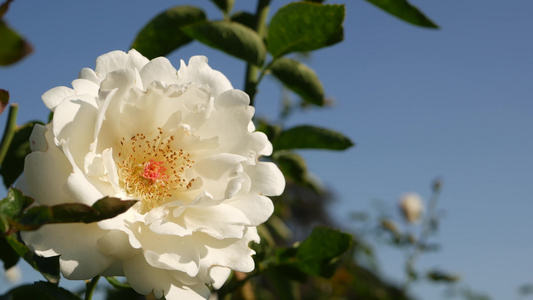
(9, 132)
(91, 286)
(251, 81)
(428, 228)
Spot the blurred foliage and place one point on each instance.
(13, 47)
(405, 11)
(13, 163)
(163, 34)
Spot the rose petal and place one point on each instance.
(266, 178)
(56, 95)
(200, 72)
(159, 69)
(37, 138)
(257, 209)
(190, 292)
(218, 275)
(158, 280)
(80, 257)
(47, 172)
(118, 60)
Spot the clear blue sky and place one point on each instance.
(454, 103)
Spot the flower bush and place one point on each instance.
(183, 144)
(156, 174)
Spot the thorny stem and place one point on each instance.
(91, 286)
(428, 227)
(251, 81)
(9, 132)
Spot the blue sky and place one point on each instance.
(455, 103)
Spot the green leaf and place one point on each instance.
(292, 165)
(224, 5)
(4, 100)
(163, 34)
(305, 26)
(285, 289)
(319, 253)
(13, 163)
(405, 11)
(300, 79)
(233, 38)
(310, 137)
(245, 18)
(4, 7)
(12, 207)
(39, 290)
(13, 47)
(7, 254)
(102, 209)
(438, 275)
(47, 266)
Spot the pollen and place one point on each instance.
(152, 168)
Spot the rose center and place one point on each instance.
(152, 169)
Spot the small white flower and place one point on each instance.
(182, 142)
(411, 207)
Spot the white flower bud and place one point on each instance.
(13, 274)
(411, 207)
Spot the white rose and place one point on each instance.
(411, 207)
(183, 143)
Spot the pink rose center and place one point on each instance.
(154, 171)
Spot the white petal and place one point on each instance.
(21, 184)
(76, 242)
(78, 186)
(173, 261)
(74, 121)
(122, 78)
(127, 222)
(256, 208)
(169, 228)
(84, 86)
(231, 253)
(116, 60)
(192, 292)
(234, 99)
(266, 178)
(261, 144)
(220, 221)
(115, 244)
(115, 269)
(56, 95)
(90, 75)
(159, 69)
(47, 172)
(234, 186)
(37, 138)
(144, 278)
(199, 72)
(217, 165)
(111, 168)
(219, 275)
